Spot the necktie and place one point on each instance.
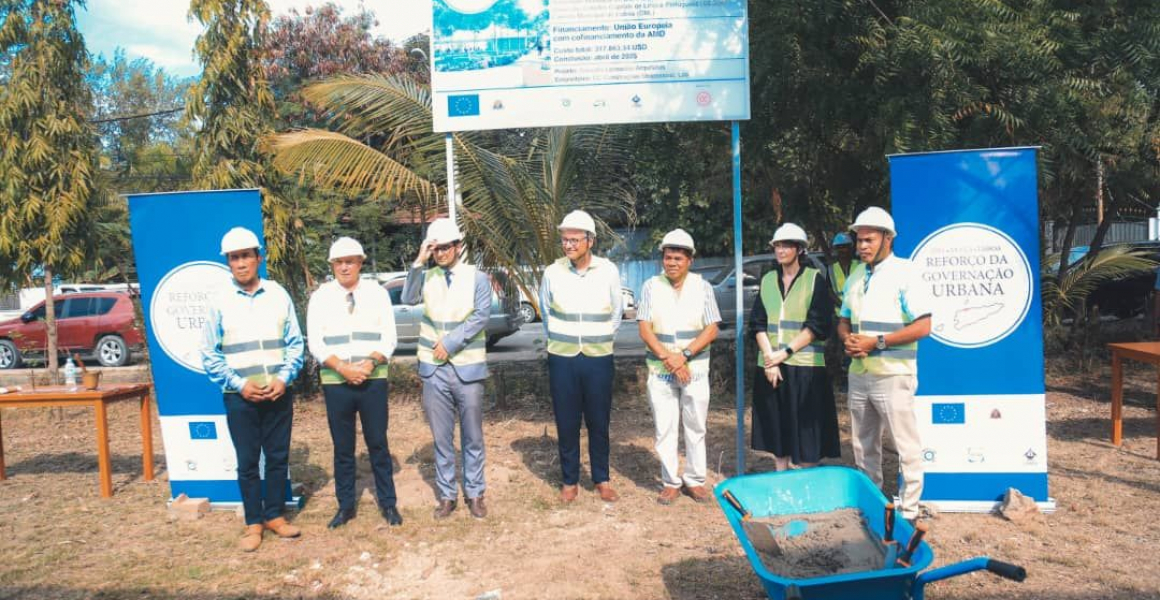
(350, 302)
(447, 275)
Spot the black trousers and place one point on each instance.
(581, 389)
(259, 428)
(369, 402)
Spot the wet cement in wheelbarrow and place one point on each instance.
(832, 543)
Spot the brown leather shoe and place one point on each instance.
(699, 493)
(669, 495)
(607, 494)
(568, 493)
(251, 539)
(477, 507)
(283, 528)
(444, 510)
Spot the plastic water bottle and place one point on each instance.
(70, 375)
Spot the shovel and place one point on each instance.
(762, 536)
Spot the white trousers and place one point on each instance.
(686, 406)
(886, 402)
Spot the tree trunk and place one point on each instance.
(50, 351)
(1065, 247)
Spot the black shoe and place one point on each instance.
(477, 507)
(391, 515)
(444, 510)
(341, 517)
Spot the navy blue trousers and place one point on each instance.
(581, 389)
(369, 402)
(258, 428)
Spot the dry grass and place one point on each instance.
(58, 539)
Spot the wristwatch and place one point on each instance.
(881, 345)
(688, 354)
(788, 351)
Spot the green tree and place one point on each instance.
(232, 107)
(48, 152)
(383, 147)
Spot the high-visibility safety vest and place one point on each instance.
(877, 310)
(256, 348)
(785, 318)
(579, 317)
(357, 337)
(677, 319)
(445, 309)
(838, 282)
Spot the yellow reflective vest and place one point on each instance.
(445, 309)
(785, 318)
(677, 319)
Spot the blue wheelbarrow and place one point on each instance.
(825, 489)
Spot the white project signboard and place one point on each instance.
(540, 63)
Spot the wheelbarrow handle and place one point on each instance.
(979, 563)
(1005, 569)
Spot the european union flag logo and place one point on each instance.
(202, 430)
(466, 105)
(948, 414)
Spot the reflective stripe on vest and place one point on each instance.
(255, 348)
(349, 345)
(579, 317)
(880, 316)
(677, 319)
(787, 317)
(444, 310)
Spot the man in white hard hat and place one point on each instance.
(884, 313)
(580, 295)
(452, 357)
(350, 325)
(677, 316)
(252, 348)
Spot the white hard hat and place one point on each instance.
(789, 233)
(346, 246)
(239, 238)
(443, 231)
(578, 219)
(875, 217)
(678, 238)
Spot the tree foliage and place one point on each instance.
(48, 151)
(48, 157)
(382, 146)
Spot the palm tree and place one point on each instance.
(1067, 295)
(382, 146)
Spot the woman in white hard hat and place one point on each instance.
(794, 416)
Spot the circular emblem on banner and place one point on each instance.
(180, 307)
(979, 281)
(470, 7)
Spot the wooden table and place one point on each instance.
(1148, 352)
(59, 396)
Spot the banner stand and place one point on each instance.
(178, 284)
(969, 221)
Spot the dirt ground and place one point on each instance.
(59, 539)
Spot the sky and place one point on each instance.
(158, 29)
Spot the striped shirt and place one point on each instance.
(644, 307)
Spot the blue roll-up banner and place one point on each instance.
(177, 241)
(969, 220)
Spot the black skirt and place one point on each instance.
(798, 418)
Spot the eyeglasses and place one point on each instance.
(444, 247)
(572, 241)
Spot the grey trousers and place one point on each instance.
(445, 396)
